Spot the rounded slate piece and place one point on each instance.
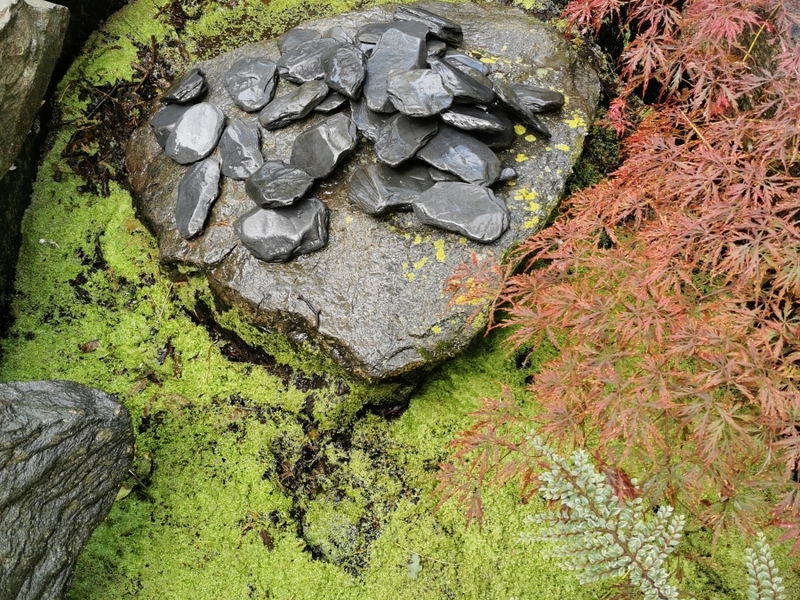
(436, 47)
(399, 48)
(251, 82)
(538, 99)
(508, 98)
(463, 87)
(197, 191)
(471, 210)
(277, 235)
(332, 101)
(472, 118)
(345, 69)
(240, 148)
(438, 26)
(378, 189)
(401, 137)
(304, 62)
(318, 150)
(189, 88)
(295, 37)
(418, 92)
(507, 174)
(293, 105)
(196, 133)
(462, 155)
(277, 184)
(368, 122)
(164, 121)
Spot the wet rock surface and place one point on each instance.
(196, 133)
(251, 82)
(293, 105)
(164, 121)
(331, 103)
(401, 137)
(440, 27)
(303, 62)
(469, 209)
(189, 88)
(345, 69)
(240, 149)
(462, 155)
(277, 184)
(64, 452)
(418, 93)
(196, 193)
(376, 289)
(320, 149)
(401, 47)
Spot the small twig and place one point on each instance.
(107, 96)
(696, 130)
(152, 63)
(314, 310)
(442, 562)
(760, 29)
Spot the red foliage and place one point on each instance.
(672, 289)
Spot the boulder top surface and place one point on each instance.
(373, 298)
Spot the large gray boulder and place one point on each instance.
(64, 451)
(31, 35)
(373, 297)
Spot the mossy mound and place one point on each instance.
(253, 478)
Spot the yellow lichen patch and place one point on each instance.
(462, 240)
(417, 239)
(439, 245)
(521, 157)
(530, 138)
(531, 223)
(575, 122)
(519, 129)
(421, 262)
(348, 219)
(436, 329)
(548, 149)
(526, 195)
(563, 147)
(488, 61)
(511, 183)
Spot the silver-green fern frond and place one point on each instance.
(762, 575)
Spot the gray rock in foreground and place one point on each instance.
(466, 208)
(378, 283)
(64, 451)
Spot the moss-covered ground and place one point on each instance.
(250, 481)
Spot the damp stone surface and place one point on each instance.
(372, 298)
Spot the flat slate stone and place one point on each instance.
(240, 149)
(304, 62)
(378, 283)
(320, 149)
(332, 101)
(465, 208)
(418, 92)
(461, 154)
(463, 87)
(378, 189)
(401, 137)
(277, 184)
(371, 32)
(508, 98)
(339, 34)
(196, 193)
(277, 235)
(472, 118)
(295, 37)
(502, 139)
(189, 88)
(438, 26)
(195, 134)
(368, 122)
(401, 47)
(164, 121)
(251, 82)
(537, 99)
(459, 59)
(293, 105)
(345, 69)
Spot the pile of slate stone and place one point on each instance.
(435, 116)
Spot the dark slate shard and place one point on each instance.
(367, 122)
(251, 82)
(399, 48)
(378, 189)
(371, 32)
(438, 26)
(401, 137)
(164, 121)
(462, 155)
(277, 235)
(333, 101)
(472, 118)
(339, 34)
(507, 174)
(277, 184)
(500, 140)
(463, 87)
(537, 99)
(240, 148)
(196, 133)
(471, 210)
(293, 105)
(474, 74)
(508, 98)
(436, 47)
(418, 92)
(304, 62)
(438, 175)
(196, 193)
(295, 37)
(65, 450)
(189, 88)
(367, 49)
(345, 69)
(320, 149)
(459, 59)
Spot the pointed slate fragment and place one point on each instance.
(277, 184)
(295, 37)
(471, 210)
(277, 235)
(502, 139)
(472, 118)
(304, 62)
(459, 59)
(371, 32)
(195, 134)
(164, 121)
(367, 122)
(197, 191)
(332, 101)
(189, 88)
(464, 88)
(240, 148)
(438, 26)
(378, 189)
(399, 48)
(339, 34)
(418, 92)
(538, 99)
(293, 105)
(251, 82)
(461, 154)
(508, 98)
(345, 69)
(320, 149)
(436, 47)
(401, 137)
